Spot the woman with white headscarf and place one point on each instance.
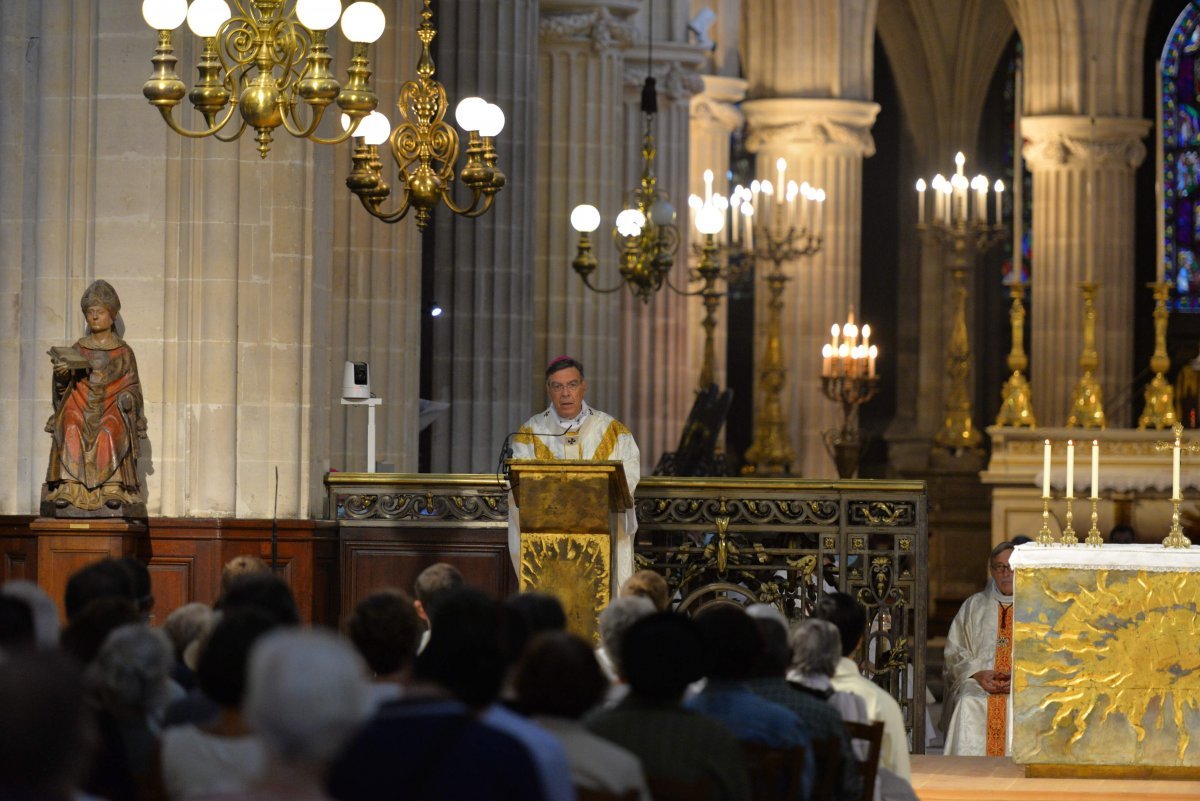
(978, 667)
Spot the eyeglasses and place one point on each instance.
(573, 386)
(1001, 568)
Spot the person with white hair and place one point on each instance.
(305, 697)
(979, 664)
(816, 651)
(615, 620)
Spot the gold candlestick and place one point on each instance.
(1016, 407)
(1068, 534)
(1093, 538)
(771, 453)
(1176, 538)
(1159, 411)
(1045, 536)
(1087, 406)
(709, 270)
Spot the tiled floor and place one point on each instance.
(942, 778)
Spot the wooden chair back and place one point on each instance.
(590, 794)
(872, 734)
(827, 754)
(776, 774)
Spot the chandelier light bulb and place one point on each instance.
(709, 220)
(362, 22)
(206, 17)
(585, 218)
(469, 113)
(164, 15)
(662, 212)
(318, 15)
(695, 203)
(493, 120)
(374, 129)
(630, 222)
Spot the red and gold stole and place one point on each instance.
(997, 707)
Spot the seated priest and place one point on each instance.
(570, 429)
(978, 667)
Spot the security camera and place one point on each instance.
(356, 383)
(699, 26)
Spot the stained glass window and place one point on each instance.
(1180, 127)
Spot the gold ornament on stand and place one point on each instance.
(1159, 411)
(1175, 537)
(1016, 407)
(959, 225)
(1087, 405)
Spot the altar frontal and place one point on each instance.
(1106, 667)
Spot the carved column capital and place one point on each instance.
(801, 121)
(597, 27)
(717, 103)
(1054, 141)
(676, 68)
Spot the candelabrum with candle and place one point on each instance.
(777, 223)
(959, 225)
(1159, 411)
(1016, 405)
(709, 218)
(848, 378)
(1087, 403)
(1175, 537)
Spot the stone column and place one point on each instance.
(581, 100)
(1083, 61)
(656, 388)
(824, 143)
(1083, 209)
(483, 267)
(715, 116)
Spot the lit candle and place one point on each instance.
(780, 168)
(820, 207)
(959, 162)
(1070, 469)
(826, 360)
(866, 334)
(805, 223)
(920, 201)
(1175, 495)
(1095, 469)
(999, 189)
(835, 330)
(1046, 471)
(871, 354)
(708, 178)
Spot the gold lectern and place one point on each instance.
(569, 516)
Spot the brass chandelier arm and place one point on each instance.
(168, 114)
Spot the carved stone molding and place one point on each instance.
(836, 123)
(599, 27)
(675, 80)
(717, 103)
(1060, 141)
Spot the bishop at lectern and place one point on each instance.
(570, 429)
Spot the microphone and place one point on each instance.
(506, 450)
(275, 527)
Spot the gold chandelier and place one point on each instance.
(425, 148)
(644, 233)
(264, 62)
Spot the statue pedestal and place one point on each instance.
(66, 545)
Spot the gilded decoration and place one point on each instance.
(461, 507)
(575, 568)
(1106, 667)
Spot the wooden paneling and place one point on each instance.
(18, 549)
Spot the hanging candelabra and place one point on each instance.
(265, 60)
(959, 226)
(848, 378)
(425, 149)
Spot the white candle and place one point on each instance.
(959, 161)
(1175, 495)
(871, 354)
(999, 189)
(826, 360)
(1095, 469)
(1070, 469)
(920, 201)
(1046, 470)
(820, 208)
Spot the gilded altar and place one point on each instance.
(1106, 671)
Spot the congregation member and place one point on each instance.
(305, 698)
(822, 721)
(648, 584)
(221, 756)
(385, 630)
(416, 746)
(850, 619)
(242, 565)
(16, 625)
(615, 620)
(816, 651)
(184, 626)
(978, 667)
(42, 608)
(106, 578)
(557, 683)
(433, 585)
(571, 429)
(47, 733)
(661, 654)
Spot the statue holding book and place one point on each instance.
(98, 419)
